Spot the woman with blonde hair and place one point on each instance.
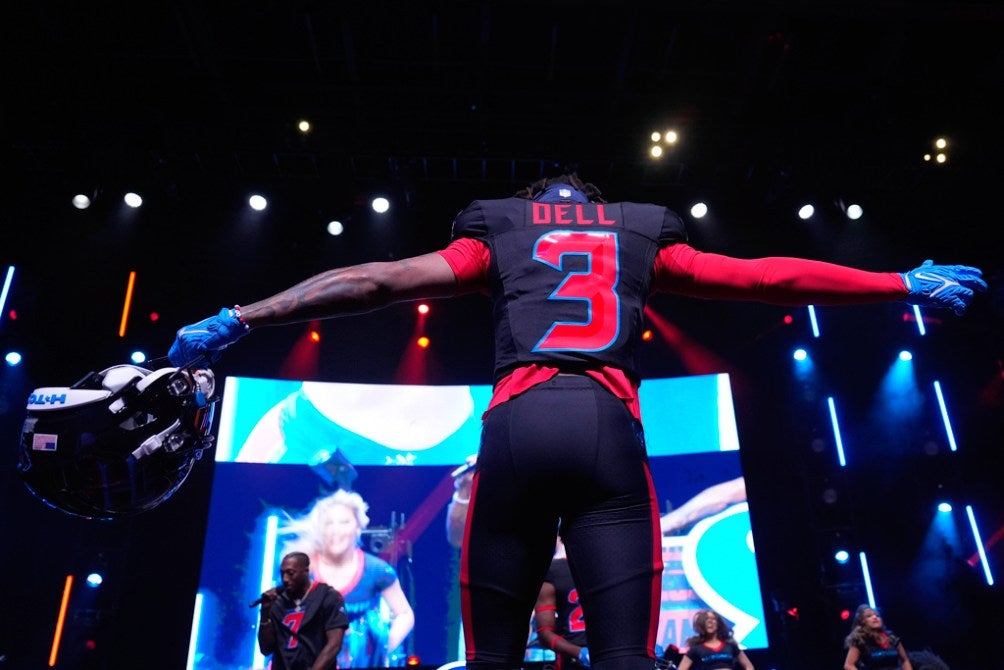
(330, 533)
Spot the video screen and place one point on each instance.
(288, 450)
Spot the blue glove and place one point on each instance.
(947, 286)
(201, 343)
(584, 656)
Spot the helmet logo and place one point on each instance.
(46, 399)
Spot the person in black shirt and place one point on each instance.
(302, 625)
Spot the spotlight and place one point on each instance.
(94, 580)
(137, 357)
(670, 137)
(699, 210)
(646, 335)
(655, 151)
(905, 356)
(423, 342)
(800, 354)
(303, 126)
(805, 212)
(335, 228)
(941, 158)
(854, 212)
(656, 136)
(380, 205)
(257, 202)
(944, 507)
(788, 319)
(413, 660)
(81, 201)
(155, 317)
(133, 199)
(315, 336)
(13, 358)
(423, 309)
(841, 556)
(845, 614)
(940, 143)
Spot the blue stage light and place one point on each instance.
(94, 580)
(905, 356)
(800, 354)
(841, 556)
(944, 507)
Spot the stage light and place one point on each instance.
(646, 335)
(800, 354)
(940, 143)
(303, 126)
(793, 612)
(380, 205)
(944, 507)
(805, 212)
(155, 317)
(656, 136)
(845, 614)
(944, 416)
(137, 357)
(423, 308)
(812, 320)
(854, 212)
(257, 202)
(94, 580)
(13, 358)
(335, 228)
(413, 660)
(133, 199)
(941, 158)
(5, 291)
(655, 151)
(836, 431)
(91, 645)
(81, 201)
(788, 319)
(867, 575)
(423, 342)
(981, 550)
(841, 556)
(670, 137)
(905, 355)
(315, 336)
(699, 210)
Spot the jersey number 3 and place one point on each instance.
(595, 286)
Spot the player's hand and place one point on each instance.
(946, 286)
(584, 656)
(201, 343)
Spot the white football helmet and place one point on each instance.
(118, 442)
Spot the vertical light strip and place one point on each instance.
(944, 416)
(920, 320)
(267, 572)
(812, 320)
(6, 289)
(128, 303)
(836, 432)
(979, 545)
(868, 579)
(60, 620)
(193, 638)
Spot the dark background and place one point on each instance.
(433, 104)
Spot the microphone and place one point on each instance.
(278, 591)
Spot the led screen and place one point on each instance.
(283, 445)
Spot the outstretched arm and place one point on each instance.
(349, 290)
(710, 501)
(354, 289)
(798, 281)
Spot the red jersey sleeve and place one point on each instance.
(679, 268)
(469, 260)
